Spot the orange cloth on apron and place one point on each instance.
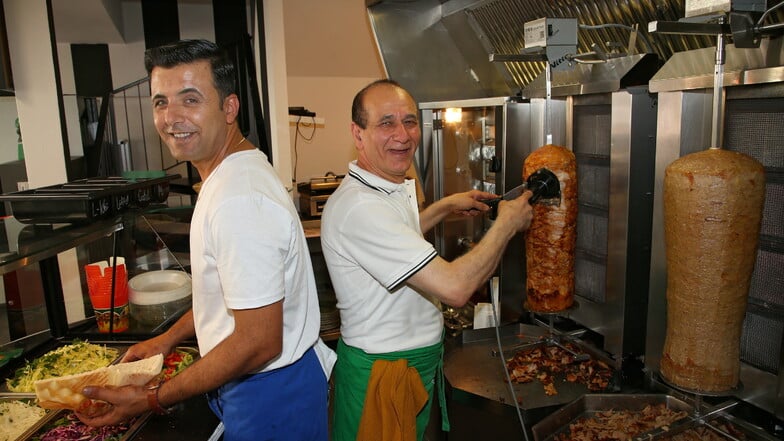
(394, 397)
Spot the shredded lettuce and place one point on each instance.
(75, 358)
(16, 417)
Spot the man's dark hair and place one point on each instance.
(358, 112)
(190, 51)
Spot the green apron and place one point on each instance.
(352, 373)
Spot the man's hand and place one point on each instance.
(517, 212)
(469, 203)
(147, 348)
(124, 403)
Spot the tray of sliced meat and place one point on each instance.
(611, 417)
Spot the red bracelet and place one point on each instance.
(152, 400)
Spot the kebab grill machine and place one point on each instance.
(609, 125)
(565, 122)
(714, 322)
(715, 330)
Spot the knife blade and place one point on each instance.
(508, 196)
(515, 192)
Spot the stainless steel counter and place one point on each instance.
(190, 420)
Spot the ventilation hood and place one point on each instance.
(608, 76)
(695, 69)
(440, 49)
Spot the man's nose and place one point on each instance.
(172, 114)
(401, 133)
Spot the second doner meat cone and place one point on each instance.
(550, 241)
(713, 203)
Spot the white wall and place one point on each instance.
(325, 65)
(36, 91)
(330, 55)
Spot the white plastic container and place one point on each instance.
(156, 296)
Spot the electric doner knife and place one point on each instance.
(543, 184)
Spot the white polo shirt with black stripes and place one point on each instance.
(372, 243)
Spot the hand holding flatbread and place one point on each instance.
(66, 392)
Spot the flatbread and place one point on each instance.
(66, 392)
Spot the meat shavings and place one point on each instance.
(620, 425)
(543, 363)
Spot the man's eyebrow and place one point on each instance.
(190, 90)
(182, 92)
(391, 116)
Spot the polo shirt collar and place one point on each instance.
(373, 181)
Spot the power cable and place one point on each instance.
(648, 46)
(503, 364)
(766, 13)
(297, 134)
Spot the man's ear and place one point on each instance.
(356, 133)
(231, 108)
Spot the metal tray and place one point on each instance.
(50, 422)
(588, 405)
(28, 399)
(473, 372)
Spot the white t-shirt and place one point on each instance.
(248, 250)
(372, 243)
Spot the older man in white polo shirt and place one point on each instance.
(388, 280)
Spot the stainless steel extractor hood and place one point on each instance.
(440, 49)
(605, 77)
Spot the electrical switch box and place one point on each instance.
(550, 32)
(695, 8)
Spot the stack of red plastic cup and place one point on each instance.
(99, 284)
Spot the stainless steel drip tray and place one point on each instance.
(588, 405)
(712, 426)
(470, 367)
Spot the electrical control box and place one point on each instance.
(695, 8)
(550, 32)
(556, 37)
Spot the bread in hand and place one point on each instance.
(66, 392)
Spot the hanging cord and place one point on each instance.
(764, 15)
(648, 46)
(297, 134)
(506, 371)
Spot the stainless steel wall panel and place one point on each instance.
(516, 147)
(682, 121)
(558, 119)
(610, 140)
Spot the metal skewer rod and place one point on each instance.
(718, 92)
(548, 127)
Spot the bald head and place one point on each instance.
(359, 114)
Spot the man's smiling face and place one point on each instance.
(387, 144)
(188, 111)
